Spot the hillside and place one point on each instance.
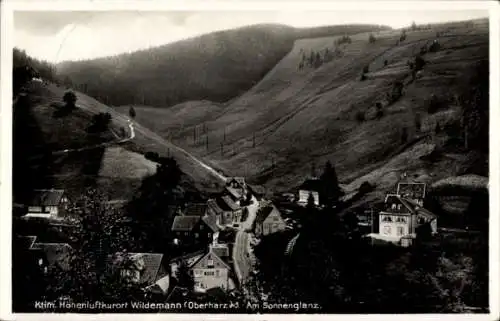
(54, 151)
(217, 66)
(305, 116)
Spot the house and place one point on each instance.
(413, 191)
(257, 191)
(47, 203)
(268, 221)
(194, 229)
(146, 269)
(401, 218)
(195, 209)
(225, 210)
(52, 255)
(236, 188)
(210, 272)
(186, 259)
(309, 187)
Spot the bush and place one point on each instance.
(70, 99)
(434, 104)
(435, 46)
(365, 188)
(414, 26)
(378, 105)
(363, 77)
(366, 69)
(379, 114)
(152, 156)
(360, 116)
(397, 91)
(403, 36)
(99, 123)
(404, 135)
(385, 62)
(372, 38)
(344, 39)
(410, 64)
(419, 63)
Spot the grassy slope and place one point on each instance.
(116, 170)
(301, 116)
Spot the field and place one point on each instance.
(298, 119)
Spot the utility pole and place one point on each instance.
(253, 143)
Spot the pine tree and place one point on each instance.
(330, 186)
(131, 112)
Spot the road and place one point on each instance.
(243, 259)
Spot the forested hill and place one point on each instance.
(217, 66)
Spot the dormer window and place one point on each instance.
(40, 262)
(210, 263)
(393, 206)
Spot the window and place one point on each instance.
(399, 207)
(201, 227)
(217, 273)
(387, 230)
(393, 206)
(186, 233)
(386, 219)
(400, 231)
(40, 262)
(210, 263)
(196, 235)
(401, 220)
(197, 273)
(209, 273)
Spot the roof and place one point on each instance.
(160, 286)
(214, 206)
(178, 294)
(55, 253)
(227, 204)
(188, 256)
(235, 192)
(221, 250)
(26, 242)
(311, 185)
(264, 212)
(411, 206)
(184, 223)
(215, 255)
(412, 190)
(149, 265)
(239, 180)
(210, 221)
(257, 189)
(46, 197)
(195, 209)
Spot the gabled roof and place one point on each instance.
(210, 221)
(239, 180)
(412, 190)
(188, 256)
(148, 264)
(26, 242)
(227, 204)
(215, 256)
(214, 207)
(311, 185)
(55, 253)
(237, 193)
(257, 189)
(264, 212)
(185, 223)
(46, 197)
(410, 205)
(221, 250)
(195, 209)
(160, 286)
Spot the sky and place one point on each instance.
(57, 36)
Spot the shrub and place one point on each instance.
(403, 36)
(152, 156)
(404, 135)
(344, 39)
(418, 122)
(434, 104)
(419, 63)
(410, 64)
(131, 112)
(385, 62)
(379, 114)
(435, 46)
(70, 99)
(437, 129)
(414, 26)
(372, 38)
(99, 123)
(360, 116)
(423, 50)
(397, 91)
(363, 77)
(378, 105)
(365, 188)
(366, 69)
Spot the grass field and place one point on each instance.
(307, 116)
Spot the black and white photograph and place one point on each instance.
(239, 161)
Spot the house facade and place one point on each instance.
(210, 272)
(191, 230)
(225, 210)
(309, 187)
(47, 203)
(269, 221)
(401, 218)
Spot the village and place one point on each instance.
(220, 235)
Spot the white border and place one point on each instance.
(7, 8)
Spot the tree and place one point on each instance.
(385, 62)
(372, 38)
(69, 99)
(418, 122)
(360, 116)
(413, 26)
(131, 112)
(98, 234)
(330, 186)
(404, 135)
(366, 69)
(419, 63)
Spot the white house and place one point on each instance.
(210, 272)
(309, 187)
(47, 203)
